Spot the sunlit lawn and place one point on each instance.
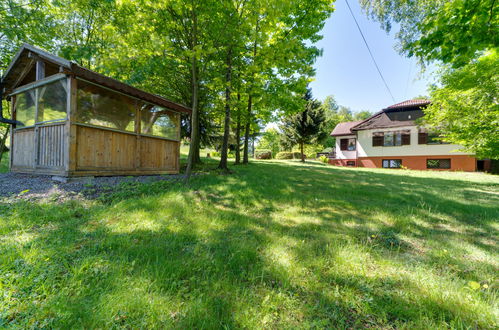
(273, 245)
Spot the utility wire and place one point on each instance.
(370, 53)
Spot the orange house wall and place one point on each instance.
(458, 162)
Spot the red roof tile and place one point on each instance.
(344, 128)
(410, 103)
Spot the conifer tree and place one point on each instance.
(306, 126)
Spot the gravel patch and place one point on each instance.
(16, 186)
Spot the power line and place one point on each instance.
(370, 53)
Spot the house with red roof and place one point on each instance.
(393, 138)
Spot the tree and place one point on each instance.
(304, 127)
(453, 32)
(465, 108)
(362, 115)
(270, 140)
(462, 35)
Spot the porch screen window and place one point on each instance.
(159, 121)
(102, 107)
(438, 163)
(392, 163)
(25, 108)
(347, 144)
(51, 105)
(52, 100)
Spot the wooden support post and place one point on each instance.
(40, 69)
(13, 114)
(71, 147)
(137, 131)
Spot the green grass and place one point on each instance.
(274, 245)
(4, 163)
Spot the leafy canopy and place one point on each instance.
(466, 107)
(449, 31)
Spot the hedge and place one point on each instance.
(288, 155)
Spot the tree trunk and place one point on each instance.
(302, 154)
(247, 131)
(225, 144)
(194, 145)
(3, 139)
(238, 131)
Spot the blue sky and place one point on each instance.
(347, 72)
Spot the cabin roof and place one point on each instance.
(27, 54)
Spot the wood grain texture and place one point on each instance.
(104, 152)
(23, 148)
(51, 146)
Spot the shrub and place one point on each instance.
(288, 155)
(215, 154)
(284, 155)
(324, 159)
(263, 154)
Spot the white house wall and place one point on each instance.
(365, 146)
(345, 154)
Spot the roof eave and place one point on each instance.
(39, 52)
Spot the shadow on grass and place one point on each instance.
(274, 245)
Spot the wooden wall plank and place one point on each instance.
(117, 152)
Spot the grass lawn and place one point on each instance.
(277, 244)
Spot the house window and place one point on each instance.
(425, 137)
(347, 144)
(392, 163)
(350, 163)
(390, 139)
(438, 163)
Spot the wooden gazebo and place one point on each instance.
(71, 121)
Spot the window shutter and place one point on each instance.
(344, 144)
(406, 138)
(378, 139)
(422, 137)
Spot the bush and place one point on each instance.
(288, 155)
(324, 159)
(215, 154)
(263, 154)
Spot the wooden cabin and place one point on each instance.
(71, 121)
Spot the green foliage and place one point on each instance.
(305, 127)
(336, 114)
(263, 154)
(270, 140)
(301, 246)
(288, 155)
(324, 159)
(449, 31)
(465, 109)
(4, 163)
